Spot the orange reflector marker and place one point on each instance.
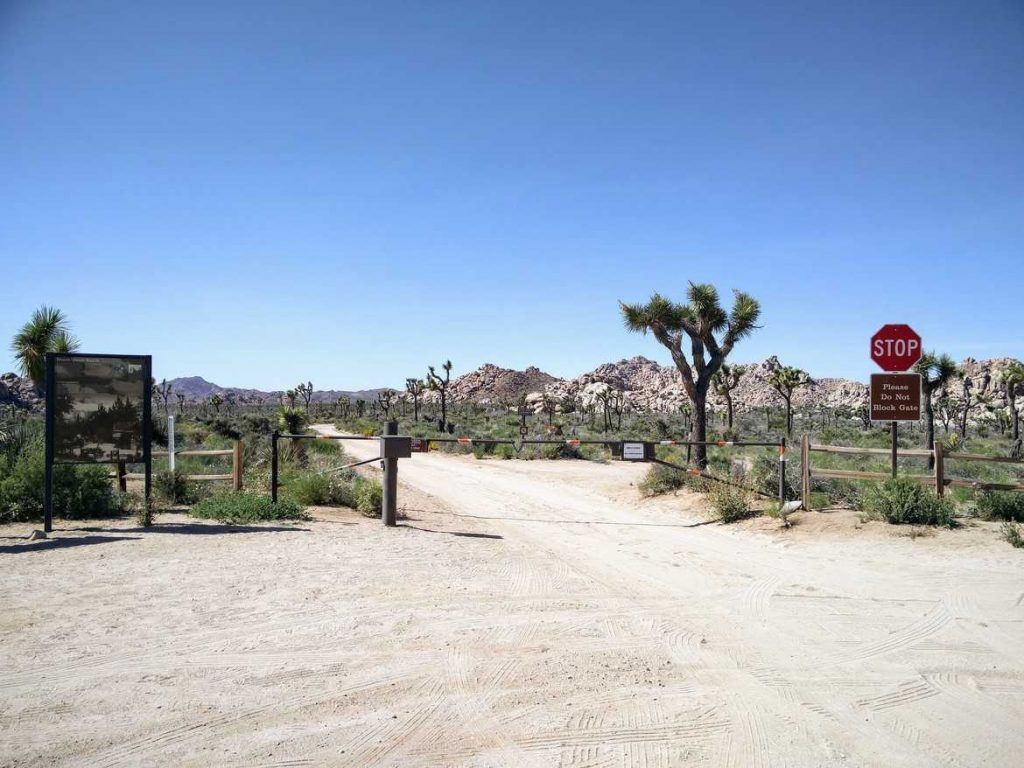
(668, 442)
(574, 442)
(694, 472)
(724, 443)
(465, 440)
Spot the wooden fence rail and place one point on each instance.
(235, 476)
(938, 478)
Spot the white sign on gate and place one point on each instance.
(633, 451)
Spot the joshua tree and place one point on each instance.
(617, 402)
(216, 400)
(549, 405)
(725, 381)
(163, 392)
(786, 380)
(967, 402)
(305, 391)
(439, 385)
(936, 372)
(181, 403)
(1012, 381)
(415, 389)
(46, 331)
(290, 397)
(700, 320)
(386, 401)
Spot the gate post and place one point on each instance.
(782, 470)
(273, 466)
(805, 474)
(389, 499)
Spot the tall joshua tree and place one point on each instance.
(712, 333)
(305, 391)
(386, 401)
(936, 372)
(1012, 380)
(440, 385)
(47, 330)
(415, 389)
(786, 380)
(163, 392)
(725, 381)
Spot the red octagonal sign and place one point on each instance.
(896, 348)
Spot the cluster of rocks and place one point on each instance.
(646, 385)
(492, 384)
(18, 392)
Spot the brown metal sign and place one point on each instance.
(895, 397)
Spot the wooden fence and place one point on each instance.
(938, 478)
(235, 452)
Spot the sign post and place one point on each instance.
(896, 396)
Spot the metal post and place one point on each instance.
(782, 471)
(895, 446)
(147, 428)
(940, 469)
(170, 443)
(389, 502)
(273, 466)
(50, 416)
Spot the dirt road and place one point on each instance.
(527, 614)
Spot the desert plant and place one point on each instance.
(786, 380)
(936, 372)
(1012, 381)
(700, 319)
(162, 392)
(731, 502)
(386, 401)
(661, 479)
(305, 391)
(440, 385)
(725, 380)
(47, 330)
(369, 497)
(1012, 534)
(902, 500)
(175, 487)
(244, 507)
(415, 389)
(1001, 505)
(292, 421)
(216, 401)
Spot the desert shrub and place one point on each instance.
(661, 479)
(292, 421)
(323, 447)
(1012, 535)
(309, 489)
(901, 500)
(764, 475)
(369, 496)
(225, 427)
(80, 491)
(1001, 505)
(244, 507)
(175, 487)
(730, 502)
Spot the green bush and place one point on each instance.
(661, 479)
(310, 489)
(244, 507)
(1001, 505)
(79, 491)
(175, 487)
(730, 502)
(369, 496)
(1011, 534)
(902, 500)
(292, 421)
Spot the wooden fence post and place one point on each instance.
(236, 466)
(122, 479)
(805, 471)
(940, 469)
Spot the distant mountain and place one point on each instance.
(198, 388)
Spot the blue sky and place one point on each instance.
(263, 193)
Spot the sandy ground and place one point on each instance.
(526, 614)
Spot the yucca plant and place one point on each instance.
(47, 330)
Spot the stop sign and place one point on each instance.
(896, 347)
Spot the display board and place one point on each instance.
(97, 412)
(99, 404)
